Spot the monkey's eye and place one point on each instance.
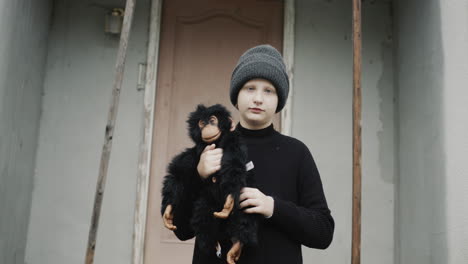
(201, 124)
(213, 121)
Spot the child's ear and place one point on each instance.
(233, 126)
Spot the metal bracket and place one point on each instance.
(141, 79)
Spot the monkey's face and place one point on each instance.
(207, 125)
(209, 129)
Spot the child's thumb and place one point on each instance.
(209, 147)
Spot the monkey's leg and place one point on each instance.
(205, 226)
(242, 227)
(168, 218)
(227, 208)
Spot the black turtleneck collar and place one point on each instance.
(259, 133)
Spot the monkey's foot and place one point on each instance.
(234, 253)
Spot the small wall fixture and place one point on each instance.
(114, 21)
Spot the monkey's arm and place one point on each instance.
(227, 208)
(180, 190)
(233, 173)
(233, 178)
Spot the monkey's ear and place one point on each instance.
(233, 126)
(200, 107)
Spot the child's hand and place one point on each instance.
(210, 161)
(259, 202)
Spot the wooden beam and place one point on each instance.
(109, 130)
(357, 47)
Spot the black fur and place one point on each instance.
(183, 182)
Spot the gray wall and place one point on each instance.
(24, 26)
(322, 118)
(77, 93)
(431, 78)
(455, 47)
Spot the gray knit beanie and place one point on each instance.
(264, 62)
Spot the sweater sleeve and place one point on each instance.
(308, 222)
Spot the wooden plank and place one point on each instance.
(109, 131)
(357, 44)
(288, 54)
(144, 161)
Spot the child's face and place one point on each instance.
(257, 102)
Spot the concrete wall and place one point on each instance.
(24, 26)
(322, 118)
(77, 94)
(431, 77)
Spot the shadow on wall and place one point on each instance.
(421, 212)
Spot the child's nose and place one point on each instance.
(258, 97)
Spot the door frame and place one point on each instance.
(144, 159)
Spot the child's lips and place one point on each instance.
(256, 110)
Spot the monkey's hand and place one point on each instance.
(234, 253)
(168, 218)
(227, 209)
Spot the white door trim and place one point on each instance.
(288, 55)
(144, 161)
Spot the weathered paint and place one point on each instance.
(77, 95)
(24, 26)
(322, 118)
(422, 188)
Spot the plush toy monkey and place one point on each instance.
(217, 219)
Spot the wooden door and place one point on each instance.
(201, 42)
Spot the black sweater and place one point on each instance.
(285, 170)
